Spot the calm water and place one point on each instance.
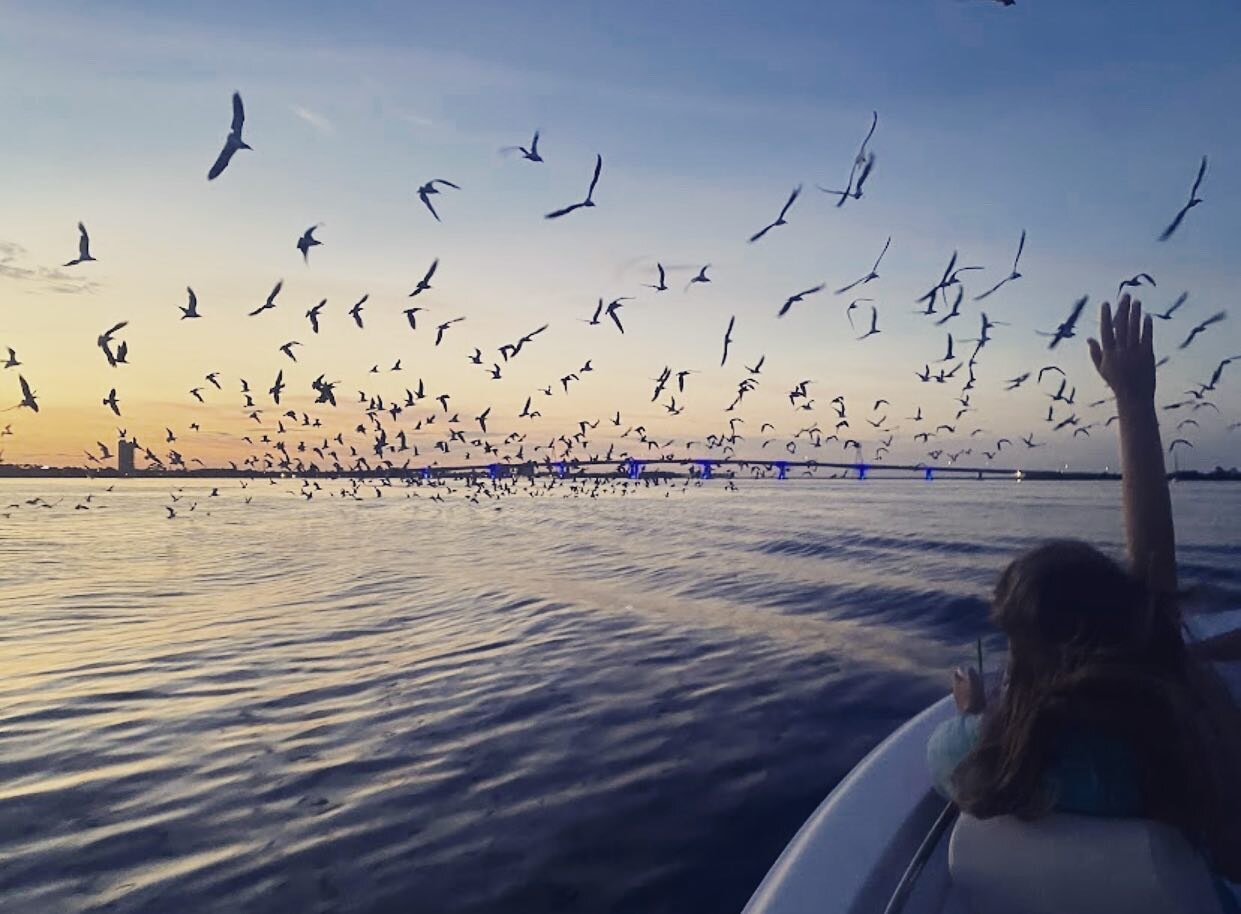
(619, 704)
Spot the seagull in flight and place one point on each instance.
(780, 220)
(83, 247)
(313, 315)
(853, 307)
(863, 161)
(287, 349)
(426, 190)
(662, 285)
(190, 310)
(308, 241)
(1213, 319)
(28, 396)
(701, 277)
(112, 402)
(424, 284)
(874, 324)
(1065, 330)
(233, 142)
(439, 331)
(614, 306)
(1135, 283)
(104, 342)
(1021, 246)
(1173, 308)
(271, 300)
(356, 311)
(872, 275)
(532, 154)
(1194, 200)
(793, 299)
(590, 194)
(278, 387)
(11, 361)
(728, 337)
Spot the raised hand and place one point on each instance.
(1125, 353)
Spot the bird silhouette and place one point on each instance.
(590, 194)
(1194, 200)
(426, 191)
(532, 153)
(780, 220)
(308, 241)
(84, 254)
(232, 142)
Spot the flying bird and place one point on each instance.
(662, 285)
(271, 300)
(701, 277)
(728, 337)
(83, 247)
(872, 275)
(1213, 319)
(28, 396)
(874, 324)
(439, 331)
(278, 387)
(424, 284)
(104, 342)
(590, 194)
(1194, 200)
(863, 161)
(356, 311)
(1014, 275)
(1135, 282)
(614, 306)
(11, 361)
(190, 310)
(1173, 308)
(532, 153)
(313, 315)
(112, 402)
(1066, 329)
(308, 241)
(780, 220)
(426, 190)
(793, 299)
(232, 142)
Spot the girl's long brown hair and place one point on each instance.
(1090, 652)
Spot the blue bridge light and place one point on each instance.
(706, 468)
(634, 468)
(782, 469)
(928, 474)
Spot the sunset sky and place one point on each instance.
(1082, 123)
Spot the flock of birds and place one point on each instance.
(381, 445)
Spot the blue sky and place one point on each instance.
(1080, 122)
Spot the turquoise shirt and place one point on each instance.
(1090, 775)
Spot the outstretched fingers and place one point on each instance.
(1135, 324)
(1106, 331)
(1120, 323)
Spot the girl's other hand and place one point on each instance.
(967, 690)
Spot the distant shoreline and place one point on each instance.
(650, 470)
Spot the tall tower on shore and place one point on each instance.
(125, 457)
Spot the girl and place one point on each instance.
(1105, 710)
